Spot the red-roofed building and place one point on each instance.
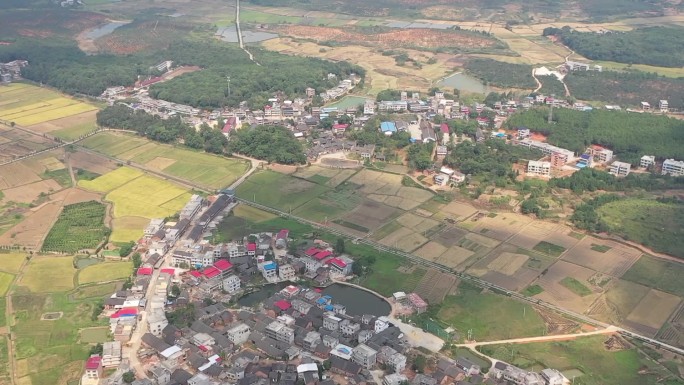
(168, 271)
(340, 128)
(145, 271)
(444, 128)
(323, 254)
(281, 238)
(223, 265)
(211, 272)
(340, 266)
(311, 251)
(125, 312)
(282, 305)
(231, 124)
(195, 273)
(251, 249)
(417, 303)
(93, 367)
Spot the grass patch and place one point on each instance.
(575, 286)
(352, 226)
(490, 316)
(232, 228)
(3, 318)
(126, 229)
(586, 354)
(320, 179)
(79, 226)
(658, 274)
(76, 131)
(653, 224)
(5, 282)
(576, 235)
(11, 261)
(252, 214)
(105, 272)
(95, 291)
(49, 274)
(81, 174)
(549, 248)
(279, 191)
(94, 335)
(532, 290)
(600, 248)
(62, 177)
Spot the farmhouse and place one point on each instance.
(673, 167)
(664, 106)
(647, 161)
(535, 167)
(620, 169)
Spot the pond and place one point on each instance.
(229, 34)
(357, 301)
(104, 30)
(464, 83)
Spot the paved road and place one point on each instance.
(527, 340)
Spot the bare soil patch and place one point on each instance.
(404, 239)
(615, 261)
(371, 215)
(30, 192)
(558, 294)
(91, 162)
(538, 231)
(16, 174)
(160, 163)
(653, 310)
(435, 285)
(459, 210)
(502, 226)
(450, 237)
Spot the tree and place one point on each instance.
(137, 260)
(126, 249)
(175, 291)
(419, 363)
(128, 377)
(97, 349)
(339, 245)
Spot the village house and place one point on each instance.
(238, 334)
(535, 167)
(647, 161)
(673, 167)
(364, 356)
(620, 169)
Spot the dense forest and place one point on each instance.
(61, 64)
(657, 46)
(589, 179)
(256, 84)
(551, 86)
(629, 135)
(271, 143)
(167, 131)
(626, 88)
(501, 74)
(491, 160)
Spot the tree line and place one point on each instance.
(657, 46)
(629, 135)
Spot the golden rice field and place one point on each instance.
(27, 105)
(136, 198)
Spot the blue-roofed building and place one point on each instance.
(584, 161)
(269, 270)
(329, 308)
(388, 128)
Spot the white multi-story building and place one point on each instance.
(602, 155)
(647, 161)
(369, 107)
(286, 272)
(673, 167)
(231, 284)
(111, 354)
(539, 168)
(280, 332)
(664, 106)
(381, 324)
(331, 323)
(620, 169)
(238, 334)
(364, 356)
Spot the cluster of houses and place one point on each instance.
(514, 375)
(342, 88)
(11, 71)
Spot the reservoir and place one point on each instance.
(464, 83)
(357, 301)
(104, 30)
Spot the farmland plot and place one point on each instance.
(80, 226)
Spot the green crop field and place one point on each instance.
(490, 316)
(126, 229)
(532, 290)
(79, 226)
(587, 358)
(575, 286)
(105, 272)
(279, 190)
(384, 276)
(11, 261)
(75, 131)
(95, 291)
(48, 352)
(199, 167)
(49, 274)
(653, 224)
(549, 248)
(658, 274)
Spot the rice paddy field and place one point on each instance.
(105, 272)
(136, 197)
(27, 105)
(49, 274)
(205, 169)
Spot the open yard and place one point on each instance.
(105, 272)
(490, 316)
(586, 359)
(198, 167)
(32, 105)
(49, 274)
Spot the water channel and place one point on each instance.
(357, 301)
(104, 30)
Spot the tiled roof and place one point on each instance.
(223, 265)
(211, 272)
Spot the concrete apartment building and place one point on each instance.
(238, 334)
(364, 356)
(280, 332)
(620, 169)
(673, 167)
(558, 160)
(536, 167)
(647, 161)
